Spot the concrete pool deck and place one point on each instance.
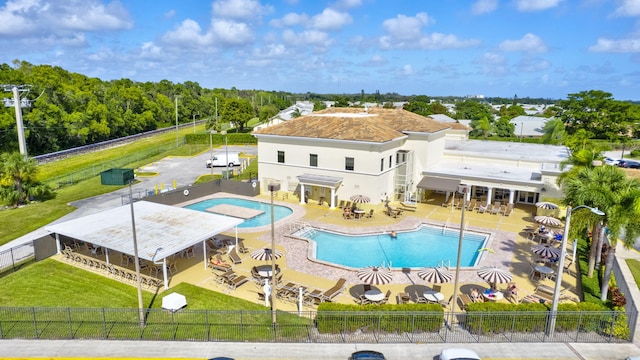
(510, 249)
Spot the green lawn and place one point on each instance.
(51, 283)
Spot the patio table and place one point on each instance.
(374, 295)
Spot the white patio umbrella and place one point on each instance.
(174, 302)
(435, 275)
(547, 220)
(547, 205)
(494, 275)
(546, 251)
(375, 275)
(265, 254)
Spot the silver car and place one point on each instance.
(459, 354)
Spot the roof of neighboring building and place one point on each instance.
(509, 150)
(443, 118)
(529, 125)
(374, 125)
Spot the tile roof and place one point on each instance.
(354, 124)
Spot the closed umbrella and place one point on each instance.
(435, 275)
(494, 275)
(547, 220)
(265, 254)
(546, 251)
(375, 275)
(547, 205)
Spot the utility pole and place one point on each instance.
(177, 121)
(18, 103)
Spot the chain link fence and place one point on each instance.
(307, 327)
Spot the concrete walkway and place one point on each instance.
(265, 351)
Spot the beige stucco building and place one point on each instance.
(398, 155)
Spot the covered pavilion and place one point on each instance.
(160, 230)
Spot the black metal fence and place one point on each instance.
(309, 327)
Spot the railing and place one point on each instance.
(309, 327)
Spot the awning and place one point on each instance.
(320, 180)
(438, 183)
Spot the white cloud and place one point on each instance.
(484, 7)
(616, 46)
(529, 43)
(290, 19)
(536, 5)
(492, 64)
(407, 27)
(375, 60)
(169, 14)
(407, 70)
(627, 8)
(231, 32)
(532, 65)
(149, 50)
(330, 20)
(188, 33)
(240, 9)
(61, 18)
(306, 38)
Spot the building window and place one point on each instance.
(281, 157)
(390, 161)
(313, 160)
(382, 164)
(348, 163)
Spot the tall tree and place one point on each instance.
(553, 132)
(237, 111)
(18, 182)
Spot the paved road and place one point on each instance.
(263, 351)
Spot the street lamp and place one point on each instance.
(136, 259)
(176, 120)
(273, 188)
(461, 189)
(194, 121)
(211, 148)
(226, 154)
(556, 291)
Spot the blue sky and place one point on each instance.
(535, 48)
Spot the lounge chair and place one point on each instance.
(403, 298)
(408, 206)
(495, 209)
(473, 204)
(341, 204)
(235, 258)
(508, 210)
(242, 248)
(484, 208)
(464, 300)
(448, 202)
(334, 291)
(237, 281)
(218, 264)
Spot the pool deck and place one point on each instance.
(509, 249)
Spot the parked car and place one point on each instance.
(629, 164)
(611, 161)
(459, 354)
(367, 355)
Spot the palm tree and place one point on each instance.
(18, 179)
(554, 132)
(604, 187)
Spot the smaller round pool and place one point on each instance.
(279, 211)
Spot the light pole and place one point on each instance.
(462, 189)
(136, 259)
(556, 291)
(211, 148)
(273, 188)
(177, 121)
(194, 121)
(226, 154)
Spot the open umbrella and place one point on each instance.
(360, 199)
(546, 251)
(174, 302)
(547, 205)
(547, 220)
(494, 276)
(435, 275)
(265, 254)
(375, 275)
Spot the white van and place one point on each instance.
(222, 160)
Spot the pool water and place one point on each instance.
(427, 246)
(279, 211)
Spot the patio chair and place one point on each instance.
(362, 300)
(237, 281)
(313, 297)
(387, 295)
(473, 203)
(369, 214)
(335, 290)
(508, 210)
(242, 248)
(484, 208)
(234, 257)
(421, 299)
(341, 204)
(446, 303)
(464, 300)
(495, 209)
(449, 202)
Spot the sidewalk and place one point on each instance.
(265, 351)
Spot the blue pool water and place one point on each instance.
(279, 211)
(426, 246)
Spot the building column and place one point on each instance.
(302, 194)
(468, 194)
(333, 198)
(58, 245)
(512, 194)
(489, 195)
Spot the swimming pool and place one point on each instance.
(423, 247)
(279, 211)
